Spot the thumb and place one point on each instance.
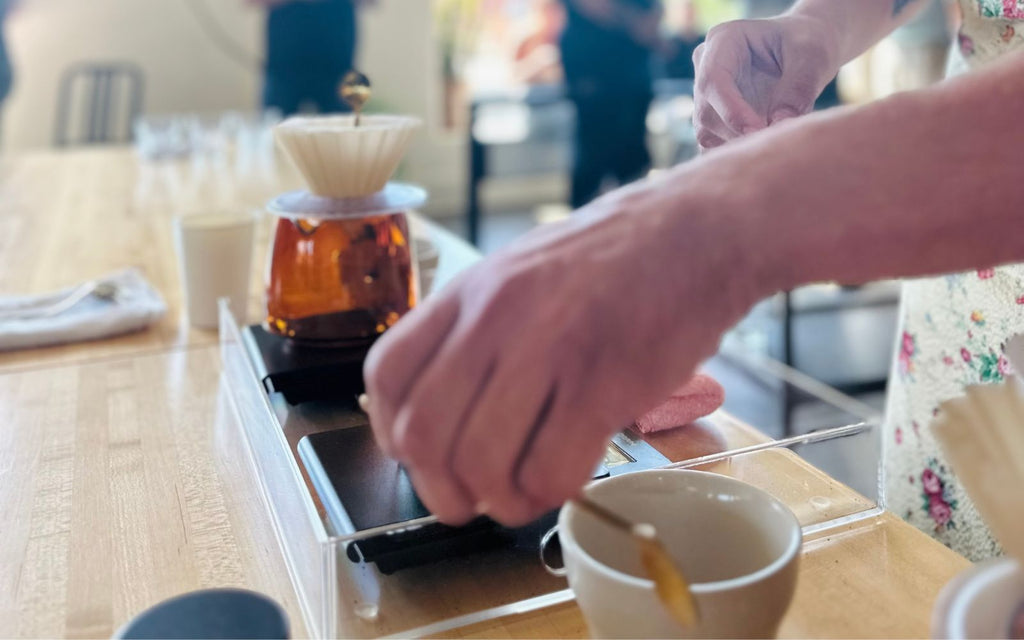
(715, 85)
(801, 83)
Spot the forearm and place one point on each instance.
(859, 23)
(922, 183)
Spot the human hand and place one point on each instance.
(500, 393)
(754, 73)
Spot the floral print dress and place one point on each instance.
(953, 332)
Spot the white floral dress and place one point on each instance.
(952, 334)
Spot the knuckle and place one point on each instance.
(485, 481)
(706, 139)
(702, 83)
(383, 375)
(514, 288)
(400, 447)
(473, 472)
(698, 54)
(536, 486)
(717, 31)
(415, 445)
(704, 114)
(733, 120)
(375, 369)
(729, 29)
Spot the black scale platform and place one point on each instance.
(361, 488)
(304, 373)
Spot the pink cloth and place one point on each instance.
(699, 397)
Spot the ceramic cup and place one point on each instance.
(985, 601)
(737, 545)
(210, 613)
(215, 255)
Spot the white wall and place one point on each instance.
(186, 71)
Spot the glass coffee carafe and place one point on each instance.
(341, 270)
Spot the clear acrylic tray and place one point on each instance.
(811, 472)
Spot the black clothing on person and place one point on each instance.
(310, 46)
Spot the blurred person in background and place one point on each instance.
(310, 45)
(683, 41)
(6, 70)
(537, 56)
(606, 53)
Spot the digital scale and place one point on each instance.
(361, 488)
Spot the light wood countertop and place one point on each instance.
(121, 482)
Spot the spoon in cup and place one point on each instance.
(671, 586)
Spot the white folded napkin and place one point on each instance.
(135, 306)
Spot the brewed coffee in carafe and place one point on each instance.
(341, 266)
(339, 280)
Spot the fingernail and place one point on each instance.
(482, 508)
(747, 130)
(364, 402)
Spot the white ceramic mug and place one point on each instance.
(215, 255)
(985, 601)
(738, 546)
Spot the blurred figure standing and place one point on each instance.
(6, 71)
(310, 45)
(684, 39)
(537, 57)
(606, 53)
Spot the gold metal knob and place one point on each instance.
(355, 90)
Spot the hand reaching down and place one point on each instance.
(500, 393)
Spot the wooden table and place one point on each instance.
(120, 486)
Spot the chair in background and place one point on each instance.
(97, 103)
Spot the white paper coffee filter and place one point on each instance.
(338, 159)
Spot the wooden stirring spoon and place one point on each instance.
(672, 588)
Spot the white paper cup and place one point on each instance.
(738, 546)
(215, 258)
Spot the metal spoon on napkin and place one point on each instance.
(101, 290)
